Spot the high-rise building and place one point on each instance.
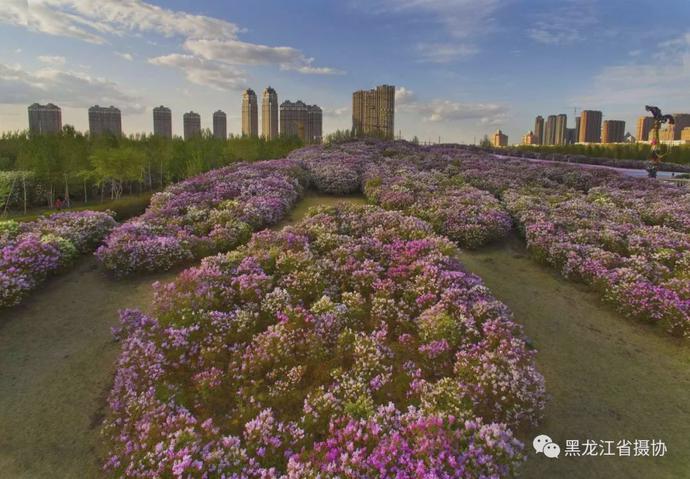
(162, 122)
(301, 120)
(373, 111)
(577, 129)
(590, 126)
(561, 129)
(613, 131)
(45, 119)
(644, 125)
(672, 132)
(550, 130)
(220, 125)
(500, 139)
(571, 136)
(529, 139)
(539, 130)
(192, 125)
(250, 114)
(269, 114)
(105, 121)
(685, 135)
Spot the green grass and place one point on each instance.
(125, 207)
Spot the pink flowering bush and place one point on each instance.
(350, 345)
(204, 215)
(31, 251)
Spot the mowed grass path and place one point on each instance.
(57, 358)
(608, 378)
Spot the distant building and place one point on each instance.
(105, 121)
(250, 114)
(192, 125)
(571, 136)
(590, 126)
(685, 135)
(577, 129)
(269, 114)
(162, 122)
(220, 125)
(373, 112)
(672, 132)
(500, 139)
(529, 139)
(301, 120)
(45, 119)
(539, 130)
(644, 125)
(628, 138)
(550, 130)
(561, 129)
(613, 131)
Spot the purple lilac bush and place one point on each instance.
(351, 345)
(31, 251)
(204, 215)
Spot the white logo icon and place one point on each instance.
(544, 444)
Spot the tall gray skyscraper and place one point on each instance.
(105, 121)
(301, 120)
(539, 130)
(577, 129)
(45, 119)
(192, 125)
(550, 130)
(162, 122)
(561, 129)
(220, 125)
(269, 114)
(250, 114)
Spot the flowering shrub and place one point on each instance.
(604, 238)
(204, 215)
(30, 251)
(350, 345)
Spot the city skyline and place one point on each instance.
(554, 57)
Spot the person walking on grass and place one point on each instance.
(59, 203)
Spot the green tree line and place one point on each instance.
(621, 151)
(37, 169)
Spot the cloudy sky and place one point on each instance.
(462, 68)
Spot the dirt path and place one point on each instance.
(57, 358)
(608, 378)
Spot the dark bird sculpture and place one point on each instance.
(656, 113)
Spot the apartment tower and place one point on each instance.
(539, 130)
(672, 132)
(105, 121)
(613, 131)
(220, 125)
(550, 130)
(45, 119)
(192, 125)
(644, 125)
(162, 122)
(561, 129)
(301, 120)
(590, 126)
(269, 114)
(373, 112)
(250, 114)
(500, 139)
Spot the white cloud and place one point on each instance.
(125, 56)
(72, 89)
(52, 60)
(210, 40)
(203, 72)
(462, 22)
(566, 23)
(440, 110)
(662, 79)
(340, 112)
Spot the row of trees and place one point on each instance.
(36, 169)
(628, 151)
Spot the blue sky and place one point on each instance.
(463, 68)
